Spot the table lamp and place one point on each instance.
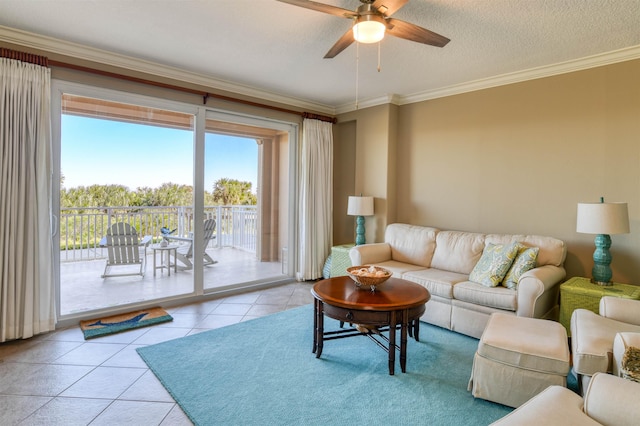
(602, 219)
(360, 207)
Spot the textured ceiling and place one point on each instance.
(277, 48)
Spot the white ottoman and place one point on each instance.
(517, 358)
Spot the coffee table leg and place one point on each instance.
(315, 325)
(416, 329)
(392, 343)
(319, 329)
(403, 340)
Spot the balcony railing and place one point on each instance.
(82, 228)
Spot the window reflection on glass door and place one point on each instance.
(121, 163)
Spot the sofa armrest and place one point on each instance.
(556, 405)
(619, 309)
(538, 291)
(611, 400)
(366, 254)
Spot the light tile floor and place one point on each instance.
(61, 379)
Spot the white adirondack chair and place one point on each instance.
(184, 253)
(125, 249)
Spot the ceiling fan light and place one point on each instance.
(368, 29)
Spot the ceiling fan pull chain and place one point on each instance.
(378, 56)
(357, 70)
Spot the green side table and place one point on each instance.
(340, 260)
(581, 293)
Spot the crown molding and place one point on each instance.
(608, 58)
(366, 103)
(594, 61)
(79, 51)
(75, 50)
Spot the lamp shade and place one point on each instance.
(360, 206)
(603, 218)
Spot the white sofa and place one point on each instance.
(442, 260)
(609, 400)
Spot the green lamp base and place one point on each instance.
(601, 272)
(360, 239)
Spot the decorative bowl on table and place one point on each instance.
(368, 277)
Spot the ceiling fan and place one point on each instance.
(372, 19)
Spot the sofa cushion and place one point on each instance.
(438, 282)
(494, 263)
(398, 269)
(525, 261)
(411, 244)
(457, 251)
(492, 297)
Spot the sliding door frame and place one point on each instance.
(201, 114)
(292, 129)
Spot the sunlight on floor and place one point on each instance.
(83, 289)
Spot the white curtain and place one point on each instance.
(27, 302)
(316, 195)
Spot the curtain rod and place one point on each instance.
(24, 57)
(205, 95)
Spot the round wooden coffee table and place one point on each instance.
(396, 304)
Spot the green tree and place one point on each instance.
(226, 192)
(168, 194)
(95, 195)
(109, 195)
(209, 199)
(233, 192)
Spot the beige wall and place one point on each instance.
(374, 163)
(513, 159)
(344, 177)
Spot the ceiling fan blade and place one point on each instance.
(321, 7)
(388, 7)
(413, 32)
(341, 44)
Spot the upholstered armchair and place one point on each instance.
(609, 400)
(592, 335)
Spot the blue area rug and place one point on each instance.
(262, 372)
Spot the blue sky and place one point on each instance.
(110, 152)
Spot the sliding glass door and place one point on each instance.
(246, 192)
(124, 166)
(207, 197)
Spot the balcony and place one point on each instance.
(82, 259)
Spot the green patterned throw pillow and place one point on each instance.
(630, 365)
(525, 260)
(494, 264)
